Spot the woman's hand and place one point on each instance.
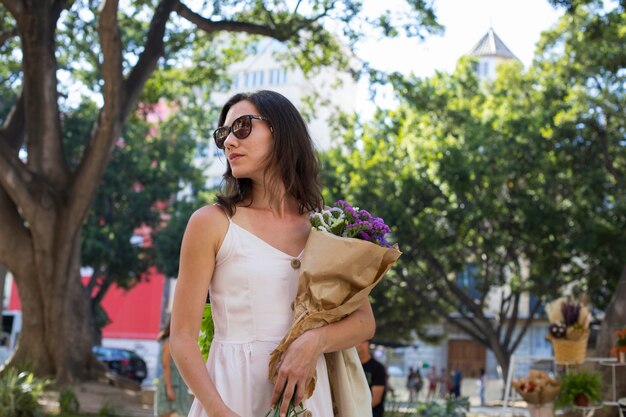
(297, 368)
(171, 395)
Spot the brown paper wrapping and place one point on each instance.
(546, 389)
(336, 276)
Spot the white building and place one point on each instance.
(491, 52)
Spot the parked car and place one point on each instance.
(122, 362)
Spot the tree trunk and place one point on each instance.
(503, 358)
(49, 318)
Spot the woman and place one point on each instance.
(246, 251)
(172, 396)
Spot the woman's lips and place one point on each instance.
(234, 156)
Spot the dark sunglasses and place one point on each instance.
(241, 128)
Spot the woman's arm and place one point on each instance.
(299, 361)
(167, 370)
(202, 239)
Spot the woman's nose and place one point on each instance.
(231, 140)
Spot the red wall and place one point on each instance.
(134, 314)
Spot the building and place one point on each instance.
(490, 52)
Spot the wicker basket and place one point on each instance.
(567, 352)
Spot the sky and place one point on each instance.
(518, 23)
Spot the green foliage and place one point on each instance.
(579, 382)
(68, 402)
(207, 331)
(447, 407)
(144, 174)
(511, 183)
(166, 250)
(452, 407)
(19, 392)
(108, 410)
(580, 70)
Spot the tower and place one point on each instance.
(491, 52)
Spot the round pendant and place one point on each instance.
(295, 263)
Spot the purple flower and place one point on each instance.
(355, 223)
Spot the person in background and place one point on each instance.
(456, 383)
(482, 380)
(444, 383)
(376, 378)
(432, 383)
(414, 384)
(172, 397)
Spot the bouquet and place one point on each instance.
(345, 256)
(568, 330)
(537, 387)
(569, 319)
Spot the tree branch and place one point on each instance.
(473, 332)
(146, 64)
(13, 129)
(109, 124)
(211, 26)
(529, 321)
(606, 155)
(15, 7)
(46, 155)
(512, 320)
(16, 180)
(16, 237)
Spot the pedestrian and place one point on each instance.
(444, 383)
(432, 383)
(376, 376)
(245, 250)
(172, 396)
(414, 383)
(457, 379)
(481, 385)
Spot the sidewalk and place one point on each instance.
(96, 396)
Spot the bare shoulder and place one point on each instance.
(207, 225)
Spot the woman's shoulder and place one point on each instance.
(211, 213)
(208, 223)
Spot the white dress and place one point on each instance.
(252, 289)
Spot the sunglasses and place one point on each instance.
(241, 128)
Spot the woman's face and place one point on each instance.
(248, 157)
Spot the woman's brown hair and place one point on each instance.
(293, 156)
(165, 331)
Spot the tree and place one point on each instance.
(581, 65)
(475, 199)
(149, 166)
(108, 54)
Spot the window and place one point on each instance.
(277, 76)
(467, 279)
(235, 83)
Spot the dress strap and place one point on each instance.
(225, 211)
